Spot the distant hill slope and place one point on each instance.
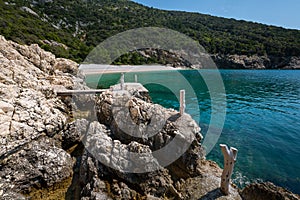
(82, 24)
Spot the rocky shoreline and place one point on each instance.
(226, 61)
(256, 62)
(48, 151)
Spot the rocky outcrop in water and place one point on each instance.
(153, 126)
(262, 191)
(104, 179)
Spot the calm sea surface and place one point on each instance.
(262, 117)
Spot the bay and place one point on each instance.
(262, 116)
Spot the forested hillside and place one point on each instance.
(82, 24)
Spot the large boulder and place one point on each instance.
(39, 163)
(206, 186)
(132, 119)
(73, 133)
(66, 66)
(107, 159)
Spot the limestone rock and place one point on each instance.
(131, 118)
(91, 172)
(66, 66)
(74, 133)
(9, 195)
(292, 63)
(173, 59)
(112, 153)
(27, 113)
(132, 136)
(207, 186)
(241, 62)
(111, 158)
(261, 191)
(31, 115)
(256, 62)
(36, 164)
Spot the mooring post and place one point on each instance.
(182, 102)
(135, 78)
(122, 81)
(229, 161)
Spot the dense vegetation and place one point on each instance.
(82, 24)
(26, 28)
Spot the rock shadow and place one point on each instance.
(174, 118)
(214, 194)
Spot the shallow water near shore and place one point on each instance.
(262, 118)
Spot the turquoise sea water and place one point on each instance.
(262, 117)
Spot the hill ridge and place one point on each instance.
(83, 24)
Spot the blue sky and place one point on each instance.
(284, 13)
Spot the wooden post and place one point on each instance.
(122, 81)
(229, 160)
(135, 78)
(182, 102)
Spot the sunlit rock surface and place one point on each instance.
(49, 149)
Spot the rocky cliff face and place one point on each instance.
(42, 155)
(256, 62)
(225, 61)
(31, 116)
